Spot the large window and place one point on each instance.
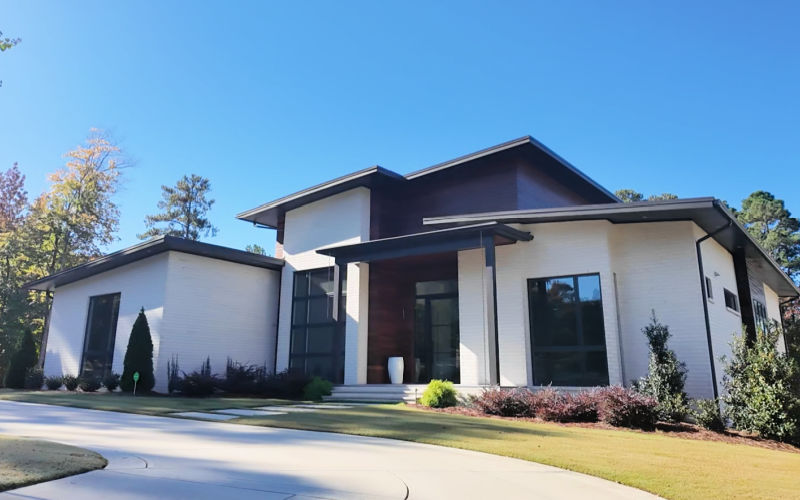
(101, 332)
(317, 340)
(567, 334)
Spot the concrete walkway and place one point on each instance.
(160, 457)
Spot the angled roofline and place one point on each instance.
(527, 139)
(648, 210)
(363, 177)
(150, 248)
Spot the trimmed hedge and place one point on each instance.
(439, 394)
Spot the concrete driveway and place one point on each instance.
(160, 457)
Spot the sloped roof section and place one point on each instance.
(269, 213)
(708, 213)
(150, 248)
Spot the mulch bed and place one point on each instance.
(682, 430)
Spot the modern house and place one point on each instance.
(507, 266)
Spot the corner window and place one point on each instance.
(731, 300)
(101, 333)
(317, 340)
(568, 340)
(709, 289)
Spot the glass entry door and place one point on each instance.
(101, 332)
(436, 340)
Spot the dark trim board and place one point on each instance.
(149, 248)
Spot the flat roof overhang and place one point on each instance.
(150, 248)
(430, 242)
(709, 214)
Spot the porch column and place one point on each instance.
(490, 299)
(355, 320)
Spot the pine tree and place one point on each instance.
(184, 208)
(22, 360)
(666, 376)
(139, 357)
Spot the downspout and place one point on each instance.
(705, 302)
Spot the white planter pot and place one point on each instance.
(396, 367)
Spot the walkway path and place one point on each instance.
(161, 457)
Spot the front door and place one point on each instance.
(436, 340)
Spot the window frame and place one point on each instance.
(735, 300)
(112, 335)
(337, 352)
(583, 348)
(760, 315)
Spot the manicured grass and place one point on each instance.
(146, 405)
(26, 461)
(657, 462)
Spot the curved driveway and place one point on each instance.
(161, 457)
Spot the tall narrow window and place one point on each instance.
(317, 340)
(760, 313)
(567, 332)
(709, 289)
(101, 332)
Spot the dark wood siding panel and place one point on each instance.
(537, 188)
(391, 308)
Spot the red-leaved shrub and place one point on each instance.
(505, 402)
(565, 407)
(623, 407)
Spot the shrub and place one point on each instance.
(317, 388)
(70, 382)
(200, 383)
(761, 388)
(666, 376)
(139, 357)
(173, 375)
(708, 416)
(565, 407)
(111, 381)
(34, 379)
(241, 378)
(22, 359)
(505, 402)
(53, 383)
(285, 385)
(623, 407)
(89, 383)
(439, 394)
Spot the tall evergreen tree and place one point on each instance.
(666, 376)
(139, 357)
(631, 196)
(184, 210)
(23, 359)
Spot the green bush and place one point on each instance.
(200, 383)
(139, 357)
(53, 383)
(111, 381)
(90, 383)
(708, 416)
(22, 359)
(70, 382)
(666, 376)
(34, 379)
(439, 394)
(317, 388)
(761, 388)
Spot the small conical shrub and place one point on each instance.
(139, 357)
(23, 359)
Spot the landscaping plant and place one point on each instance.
(761, 387)
(173, 375)
(666, 376)
(111, 381)
(439, 394)
(708, 416)
(89, 383)
(200, 383)
(317, 388)
(139, 357)
(34, 379)
(506, 403)
(53, 383)
(241, 378)
(22, 359)
(285, 385)
(566, 407)
(70, 382)
(623, 407)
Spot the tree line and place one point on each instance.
(71, 223)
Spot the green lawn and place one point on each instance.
(666, 465)
(26, 461)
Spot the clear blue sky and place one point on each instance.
(265, 98)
